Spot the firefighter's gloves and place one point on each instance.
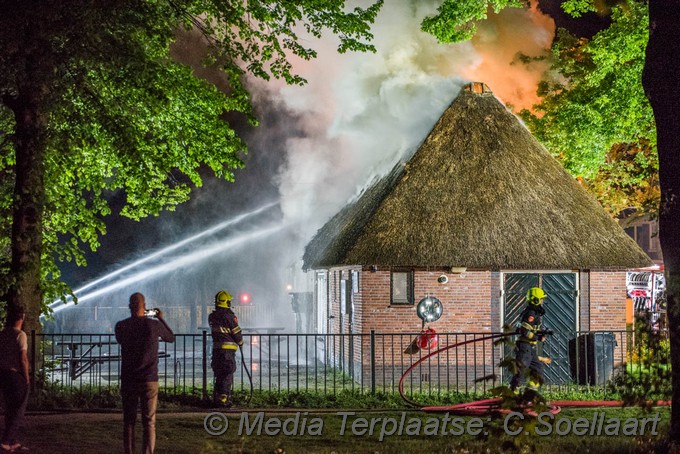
(542, 334)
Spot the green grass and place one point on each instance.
(185, 433)
(635, 369)
(92, 398)
(181, 424)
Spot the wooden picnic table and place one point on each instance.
(83, 356)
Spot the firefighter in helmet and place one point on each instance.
(529, 364)
(227, 338)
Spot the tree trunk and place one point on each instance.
(660, 78)
(29, 199)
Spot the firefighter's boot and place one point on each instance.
(230, 400)
(224, 400)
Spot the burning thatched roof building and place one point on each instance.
(479, 214)
(480, 192)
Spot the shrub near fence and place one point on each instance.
(331, 363)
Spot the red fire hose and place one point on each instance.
(486, 406)
(436, 352)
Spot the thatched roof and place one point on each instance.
(481, 193)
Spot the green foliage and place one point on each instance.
(57, 397)
(595, 98)
(54, 396)
(455, 19)
(650, 349)
(580, 392)
(647, 374)
(122, 117)
(577, 8)
(628, 178)
(594, 115)
(341, 399)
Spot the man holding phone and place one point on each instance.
(138, 338)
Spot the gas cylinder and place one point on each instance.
(428, 339)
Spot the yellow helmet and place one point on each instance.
(535, 296)
(223, 299)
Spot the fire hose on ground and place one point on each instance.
(495, 405)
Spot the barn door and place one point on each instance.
(560, 315)
(516, 286)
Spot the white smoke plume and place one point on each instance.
(360, 113)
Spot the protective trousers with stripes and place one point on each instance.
(223, 365)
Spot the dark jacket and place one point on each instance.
(138, 339)
(226, 334)
(530, 324)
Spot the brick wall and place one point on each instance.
(346, 350)
(471, 305)
(466, 299)
(608, 306)
(471, 302)
(607, 300)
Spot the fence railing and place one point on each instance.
(330, 363)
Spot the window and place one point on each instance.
(402, 287)
(355, 281)
(646, 234)
(346, 302)
(654, 244)
(642, 235)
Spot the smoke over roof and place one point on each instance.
(362, 113)
(480, 192)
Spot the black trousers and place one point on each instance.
(529, 365)
(223, 365)
(15, 391)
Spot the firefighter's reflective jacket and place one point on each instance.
(530, 324)
(226, 334)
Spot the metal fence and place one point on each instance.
(367, 363)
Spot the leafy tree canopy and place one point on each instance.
(455, 20)
(111, 111)
(594, 107)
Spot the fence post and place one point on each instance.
(205, 365)
(372, 361)
(33, 361)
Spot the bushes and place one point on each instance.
(57, 397)
(647, 374)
